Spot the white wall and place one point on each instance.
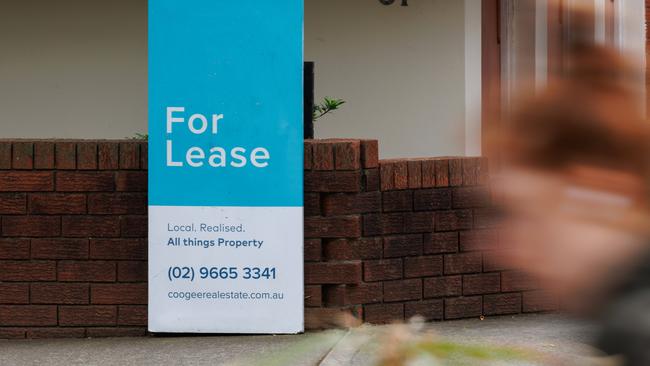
(73, 68)
(401, 70)
(631, 39)
(78, 69)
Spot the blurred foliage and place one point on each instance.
(140, 136)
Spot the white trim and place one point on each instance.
(541, 44)
(630, 36)
(600, 21)
(473, 77)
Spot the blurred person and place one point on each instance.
(574, 183)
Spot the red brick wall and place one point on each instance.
(384, 240)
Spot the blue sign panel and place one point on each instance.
(225, 166)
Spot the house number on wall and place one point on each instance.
(390, 2)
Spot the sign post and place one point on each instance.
(225, 166)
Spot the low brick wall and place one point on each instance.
(384, 240)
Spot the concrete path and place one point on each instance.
(559, 340)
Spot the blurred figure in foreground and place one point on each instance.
(574, 183)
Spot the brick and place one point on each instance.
(333, 227)
(129, 155)
(86, 181)
(419, 222)
(308, 154)
(414, 174)
(333, 273)
(312, 204)
(470, 197)
(117, 203)
(65, 155)
(59, 293)
(502, 304)
(536, 301)
(313, 250)
(471, 167)
(144, 155)
(442, 173)
(383, 313)
(27, 315)
(44, 155)
(90, 316)
(13, 203)
(402, 246)
(432, 199)
(14, 248)
(343, 295)
(497, 261)
(453, 220)
(132, 315)
(423, 266)
(87, 156)
(478, 240)
(486, 218)
(483, 171)
(384, 224)
(400, 169)
(328, 318)
(91, 226)
(26, 271)
(351, 203)
(455, 172)
(57, 204)
(371, 180)
(428, 173)
(480, 284)
(108, 156)
(12, 333)
(323, 156)
(512, 281)
(397, 201)
(382, 270)
(34, 226)
(59, 248)
(313, 295)
(372, 225)
(12, 181)
(442, 286)
(428, 309)
(5, 155)
(345, 249)
(402, 290)
(463, 263)
(119, 293)
(14, 293)
(370, 153)
(463, 307)
(23, 155)
(115, 332)
(134, 226)
(439, 243)
(333, 181)
(132, 271)
(86, 271)
(118, 249)
(393, 223)
(387, 175)
(51, 333)
(347, 155)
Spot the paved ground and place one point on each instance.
(557, 339)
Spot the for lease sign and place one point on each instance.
(225, 166)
